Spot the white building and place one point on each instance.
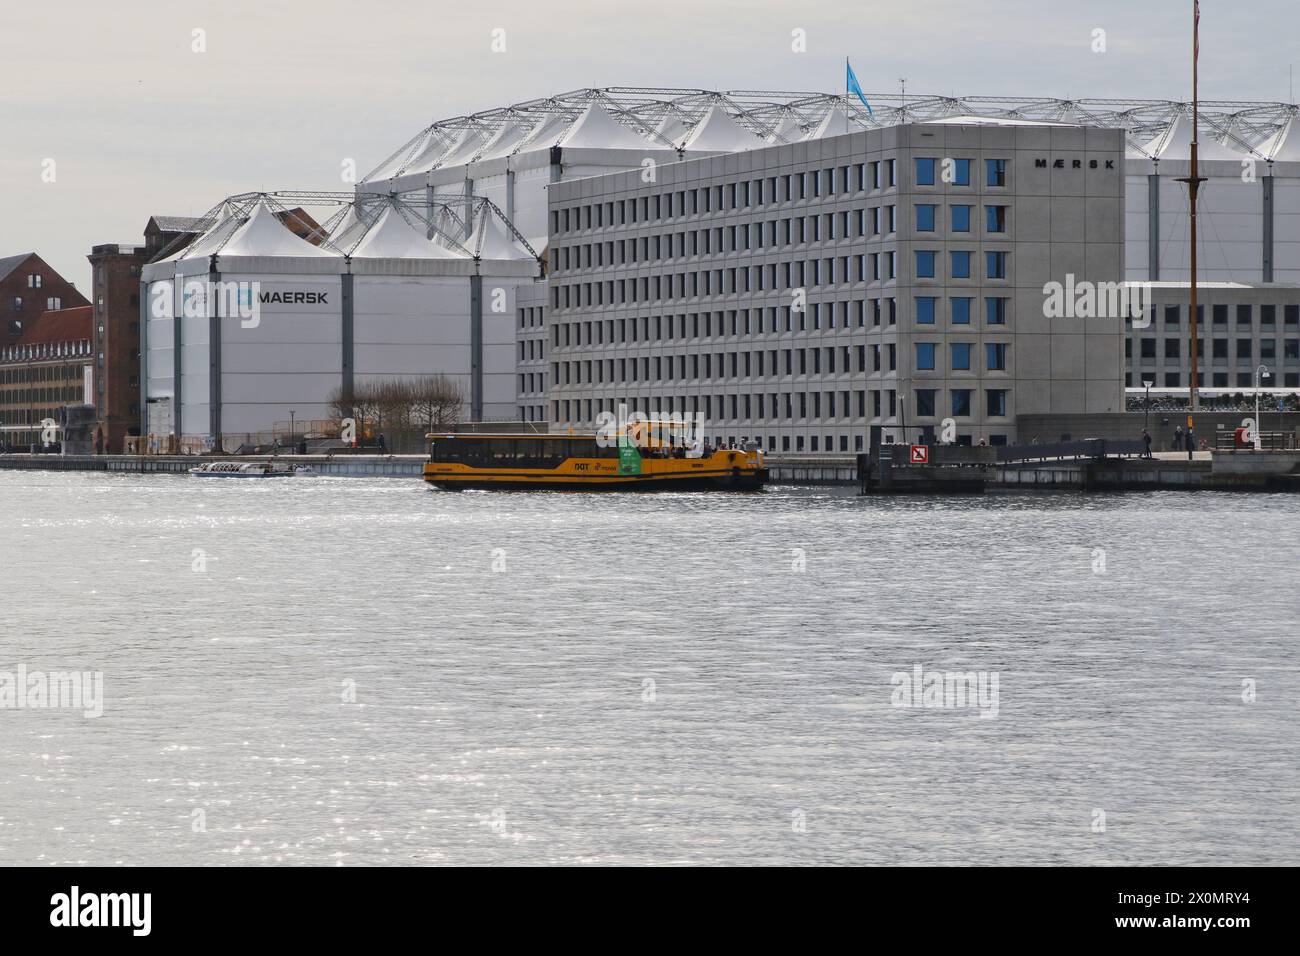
(392, 289)
(1250, 152)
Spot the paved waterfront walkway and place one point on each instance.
(1181, 455)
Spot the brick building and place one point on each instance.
(28, 287)
(43, 370)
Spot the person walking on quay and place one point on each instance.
(99, 441)
(1178, 443)
(1191, 443)
(1146, 444)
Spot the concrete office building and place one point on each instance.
(922, 250)
(1245, 324)
(1249, 152)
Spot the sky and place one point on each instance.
(110, 112)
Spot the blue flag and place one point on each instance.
(851, 86)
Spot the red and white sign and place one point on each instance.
(920, 455)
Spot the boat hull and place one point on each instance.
(737, 480)
(235, 474)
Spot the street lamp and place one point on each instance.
(1146, 420)
(1261, 372)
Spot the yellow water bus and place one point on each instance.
(581, 463)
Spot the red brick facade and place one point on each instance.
(28, 287)
(115, 281)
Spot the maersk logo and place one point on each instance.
(1041, 163)
(294, 298)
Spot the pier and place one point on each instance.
(1095, 464)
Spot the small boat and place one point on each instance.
(250, 469)
(584, 463)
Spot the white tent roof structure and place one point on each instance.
(546, 134)
(352, 227)
(1246, 127)
(1176, 143)
(469, 145)
(834, 123)
(1284, 146)
(505, 142)
(210, 240)
(672, 129)
(597, 129)
(265, 235)
(393, 237)
(496, 243)
(719, 133)
(786, 130)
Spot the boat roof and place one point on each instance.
(509, 435)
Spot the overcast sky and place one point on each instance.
(139, 123)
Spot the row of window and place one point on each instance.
(960, 356)
(829, 360)
(787, 276)
(531, 383)
(40, 373)
(53, 302)
(960, 309)
(844, 314)
(792, 406)
(743, 194)
(1217, 380)
(790, 187)
(39, 351)
(959, 218)
(874, 221)
(1244, 349)
(531, 317)
(957, 172)
(1173, 315)
(959, 264)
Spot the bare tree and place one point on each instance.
(436, 402)
(403, 409)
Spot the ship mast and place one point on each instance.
(1193, 181)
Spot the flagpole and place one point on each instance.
(1193, 180)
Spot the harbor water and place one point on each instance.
(369, 671)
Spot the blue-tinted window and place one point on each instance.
(995, 218)
(960, 402)
(995, 172)
(961, 218)
(925, 309)
(997, 401)
(995, 310)
(996, 353)
(925, 402)
(924, 264)
(925, 217)
(961, 265)
(961, 172)
(925, 172)
(961, 311)
(960, 356)
(924, 355)
(995, 265)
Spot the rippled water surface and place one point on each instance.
(353, 671)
